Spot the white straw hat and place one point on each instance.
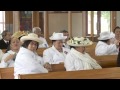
(31, 36)
(79, 41)
(57, 36)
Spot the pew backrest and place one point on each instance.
(106, 73)
(7, 73)
(58, 67)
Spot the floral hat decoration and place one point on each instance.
(79, 41)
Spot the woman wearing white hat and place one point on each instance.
(26, 61)
(78, 59)
(57, 53)
(104, 45)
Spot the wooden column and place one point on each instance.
(35, 19)
(70, 23)
(8, 17)
(9, 20)
(46, 26)
(113, 20)
(84, 21)
(92, 25)
(16, 21)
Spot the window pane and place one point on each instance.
(95, 22)
(105, 21)
(1, 28)
(2, 21)
(89, 22)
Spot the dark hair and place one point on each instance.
(117, 27)
(63, 31)
(72, 47)
(105, 40)
(4, 33)
(53, 41)
(27, 42)
(20, 37)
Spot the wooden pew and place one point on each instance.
(40, 51)
(91, 49)
(7, 73)
(106, 73)
(58, 67)
(107, 60)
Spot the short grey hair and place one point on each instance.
(36, 28)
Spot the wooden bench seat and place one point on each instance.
(105, 73)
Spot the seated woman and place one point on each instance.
(26, 61)
(9, 57)
(78, 59)
(57, 53)
(116, 34)
(104, 45)
(10, 54)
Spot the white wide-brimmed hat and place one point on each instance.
(79, 41)
(105, 35)
(31, 36)
(57, 36)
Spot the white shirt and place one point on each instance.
(26, 63)
(103, 48)
(44, 44)
(6, 41)
(53, 56)
(9, 63)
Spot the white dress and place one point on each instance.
(26, 63)
(78, 61)
(44, 44)
(103, 48)
(9, 63)
(53, 56)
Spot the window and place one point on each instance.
(100, 22)
(2, 21)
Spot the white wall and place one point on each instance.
(77, 24)
(59, 21)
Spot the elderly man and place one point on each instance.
(37, 31)
(5, 41)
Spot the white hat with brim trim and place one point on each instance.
(79, 41)
(57, 36)
(31, 36)
(105, 35)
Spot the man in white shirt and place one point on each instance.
(37, 31)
